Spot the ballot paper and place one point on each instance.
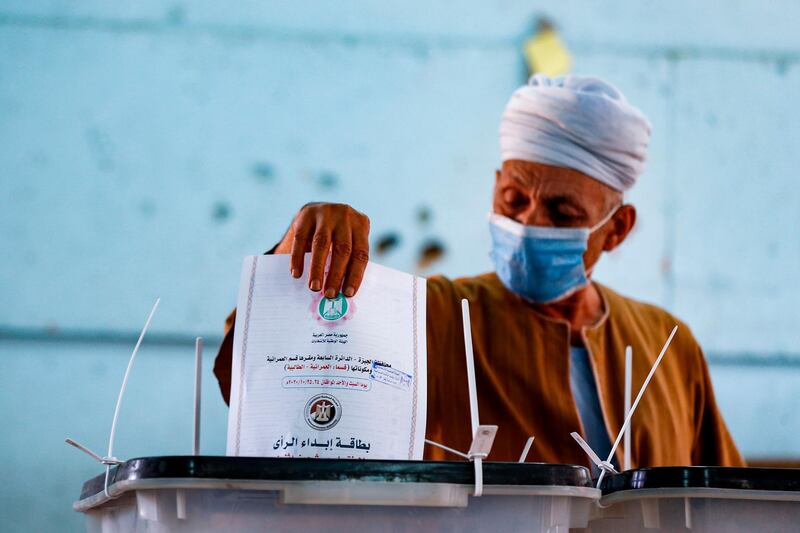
(330, 378)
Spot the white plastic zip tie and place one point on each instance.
(90, 453)
(473, 393)
(180, 494)
(482, 443)
(478, 451)
(604, 466)
(198, 376)
(122, 391)
(478, 462)
(526, 450)
(637, 400)
(480, 447)
(626, 447)
(482, 436)
(447, 448)
(109, 459)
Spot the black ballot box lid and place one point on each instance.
(284, 469)
(704, 477)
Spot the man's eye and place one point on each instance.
(566, 219)
(513, 197)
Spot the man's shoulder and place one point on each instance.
(482, 286)
(647, 315)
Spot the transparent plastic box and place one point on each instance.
(233, 494)
(703, 499)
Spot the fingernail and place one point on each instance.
(295, 273)
(349, 291)
(315, 285)
(330, 293)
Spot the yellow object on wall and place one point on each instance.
(546, 54)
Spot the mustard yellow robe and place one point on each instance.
(522, 372)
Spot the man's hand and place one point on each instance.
(323, 229)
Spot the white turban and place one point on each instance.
(578, 122)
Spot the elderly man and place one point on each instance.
(549, 343)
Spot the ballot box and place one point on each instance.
(230, 494)
(714, 499)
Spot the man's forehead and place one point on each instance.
(551, 178)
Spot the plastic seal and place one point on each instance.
(604, 466)
(109, 460)
(632, 410)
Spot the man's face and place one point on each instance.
(542, 195)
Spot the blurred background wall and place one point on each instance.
(146, 147)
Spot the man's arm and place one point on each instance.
(224, 360)
(713, 444)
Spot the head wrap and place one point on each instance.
(578, 122)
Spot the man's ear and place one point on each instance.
(497, 174)
(621, 225)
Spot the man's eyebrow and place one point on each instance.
(519, 179)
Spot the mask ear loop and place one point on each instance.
(605, 219)
(599, 225)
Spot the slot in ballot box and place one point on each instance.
(232, 494)
(703, 499)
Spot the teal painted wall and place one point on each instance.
(146, 147)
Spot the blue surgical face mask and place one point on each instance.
(540, 263)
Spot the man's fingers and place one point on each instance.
(320, 246)
(303, 228)
(358, 262)
(337, 229)
(341, 247)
